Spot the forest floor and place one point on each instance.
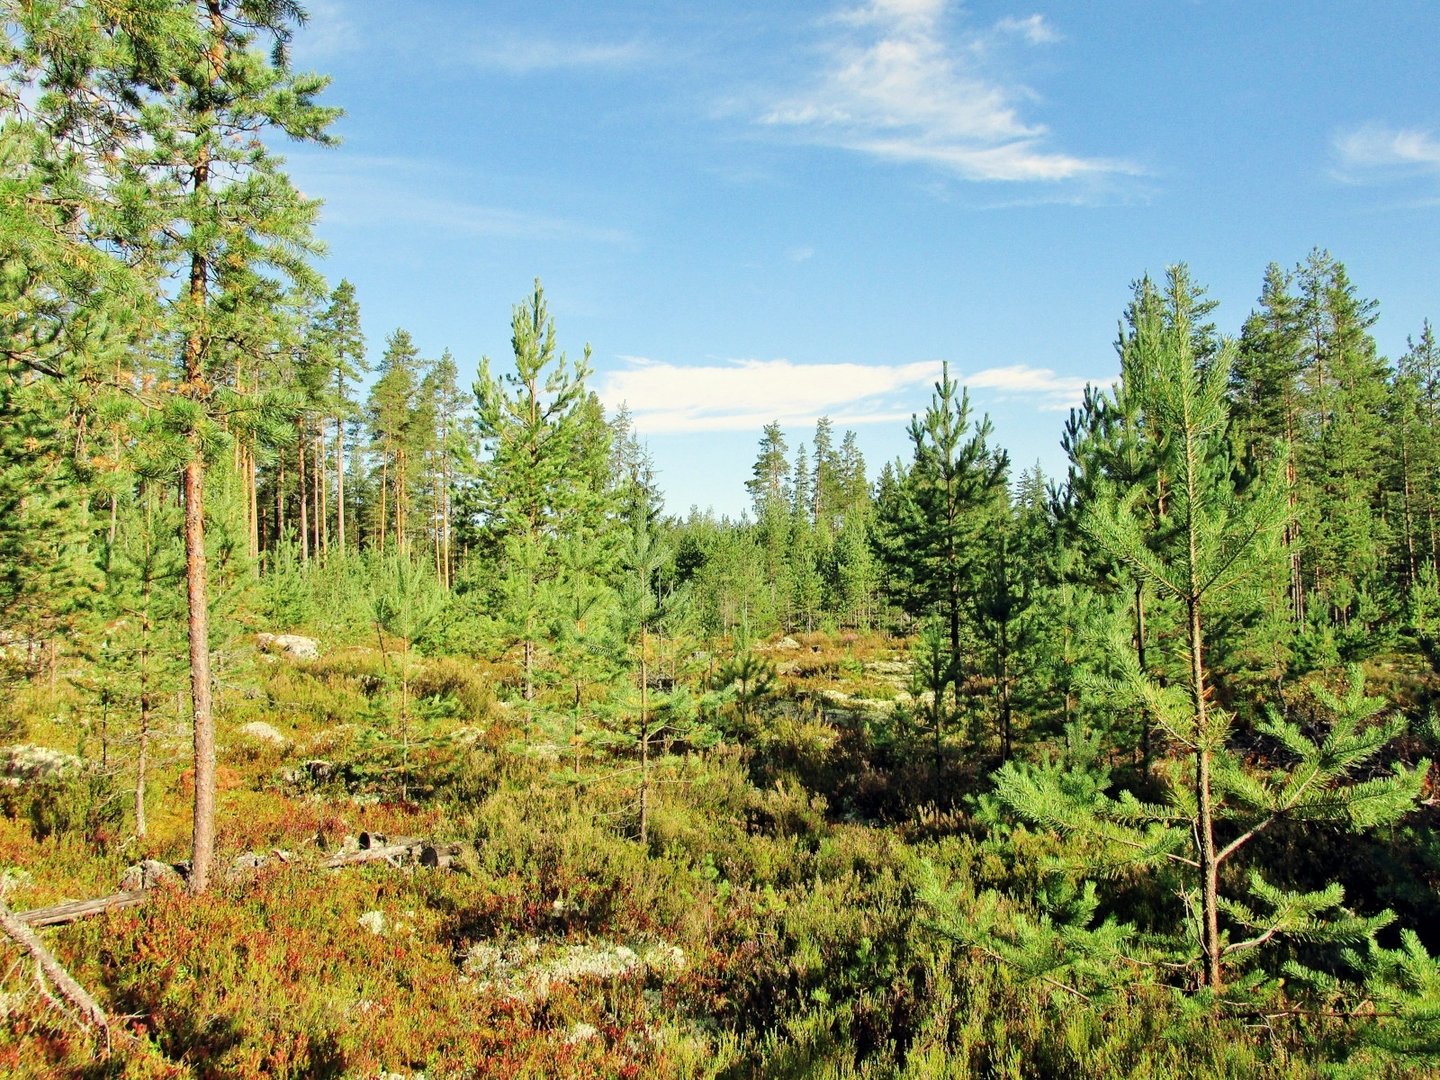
(770, 924)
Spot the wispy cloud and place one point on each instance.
(894, 86)
(375, 191)
(744, 395)
(329, 31)
(1051, 392)
(1033, 28)
(1377, 151)
(529, 56)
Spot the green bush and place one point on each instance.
(458, 685)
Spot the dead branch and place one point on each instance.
(50, 969)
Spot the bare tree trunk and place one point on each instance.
(322, 510)
(252, 504)
(340, 483)
(384, 484)
(1147, 749)
(202, 709)
(279, 501)
(1205, 825)
(197, 588)
(644, 742)
(302, 488)
(143, 751)
(1004, 678)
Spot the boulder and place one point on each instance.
(259, 732)
(292, 645)
(147, 874)
(24, 763)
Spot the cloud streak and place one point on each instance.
(524, 56)
(744, 395)
(893, 87)
(1378, 151)
(361, 191)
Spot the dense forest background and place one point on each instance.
(948, 767)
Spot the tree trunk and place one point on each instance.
(1146, 728)
(142, 752)
(279, 502)
(1004, 679)
(340, 483)
(302, 489)
(202, 710)
(197, 587)
(252, 504)
(1205, 825)
(322, 510)
(644, 744)
(384, 491)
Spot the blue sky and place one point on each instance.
(759, 210)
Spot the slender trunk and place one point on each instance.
(143, 750)
(322, 509)
(197, 589)
(384, 490)
(1292, 527)
(1205, 825)
(303, 491)
(252, 504)
(340, 483)
(1412, 567)
(402, 499)
(644, 744)
(280, 501)
(1003, 675)
(202, 710)
(1147, 749)
(405, 723)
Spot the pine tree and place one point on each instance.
(344, 348)
(543, 469)
(1209, 541)
(772, 496)
(217, 208)
(444, 439)
(933, 520)
(1269, 403)
(1343, 533)
(394, 436)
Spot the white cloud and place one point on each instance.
(1052, 392)
(744, 395)
(893, 86)
(527, 56)
(1377, 150)
(1033, 28)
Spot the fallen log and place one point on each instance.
(403, 849)
(51, 969)
(440, 856)
(60, 914)
(374, 848)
